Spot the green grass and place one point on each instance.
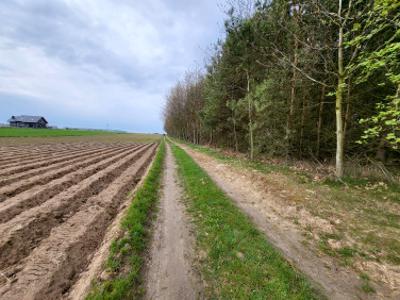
(240, 263)
(126, 257)
(31, 132)
(366, 285)
(364, 206)
(241, 162)
(300, 176)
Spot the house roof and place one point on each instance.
(26, 119)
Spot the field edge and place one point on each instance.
(126, 258)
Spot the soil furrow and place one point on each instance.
(21, 234)
(40, 194)
(33, 172)
(40, 155)
(42, 179)
(55, 264)
(11, 155)
(29, 148)
(13, 152)
(44, 151)
(18, 169)
(37, 158)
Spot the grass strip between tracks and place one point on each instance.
(237, 260)
(126, 257)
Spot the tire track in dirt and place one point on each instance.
(51, 269)
(170, 273)
(33, 172)
(40, 194)
(21, 234)
(335, 281)
(42, 179)
(19, 169)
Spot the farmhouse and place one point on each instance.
(28, 121)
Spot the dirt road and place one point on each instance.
(170, 273)
(335, 281)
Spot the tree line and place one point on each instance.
(300, 78)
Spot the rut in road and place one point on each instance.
(335, 281)
(170, 273)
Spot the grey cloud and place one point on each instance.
(140, 46)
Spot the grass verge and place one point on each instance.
(355, 220)
(238, 263)
(126, 259)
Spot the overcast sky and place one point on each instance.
(100, 63)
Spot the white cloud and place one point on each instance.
(102, 59)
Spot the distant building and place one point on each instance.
(28, 121)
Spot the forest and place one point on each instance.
(314, 79)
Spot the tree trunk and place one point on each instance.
(235, 134)
(250, 118)
(347, 113)
(339, 101)
(319, 126)
(381, 151)
(289, 124)
(303, 119)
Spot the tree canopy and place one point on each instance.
(301, 79)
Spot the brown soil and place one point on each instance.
(170, 273)
(40, 193)
(51, 228)
(38, 156)
(47, 162)
(17, 187)
(95, 269)
(7, 179)
(263, 207)
(22, 233)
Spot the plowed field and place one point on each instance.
(56, 203)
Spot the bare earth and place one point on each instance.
(57, 203)
(335, 281)
(170, 273)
